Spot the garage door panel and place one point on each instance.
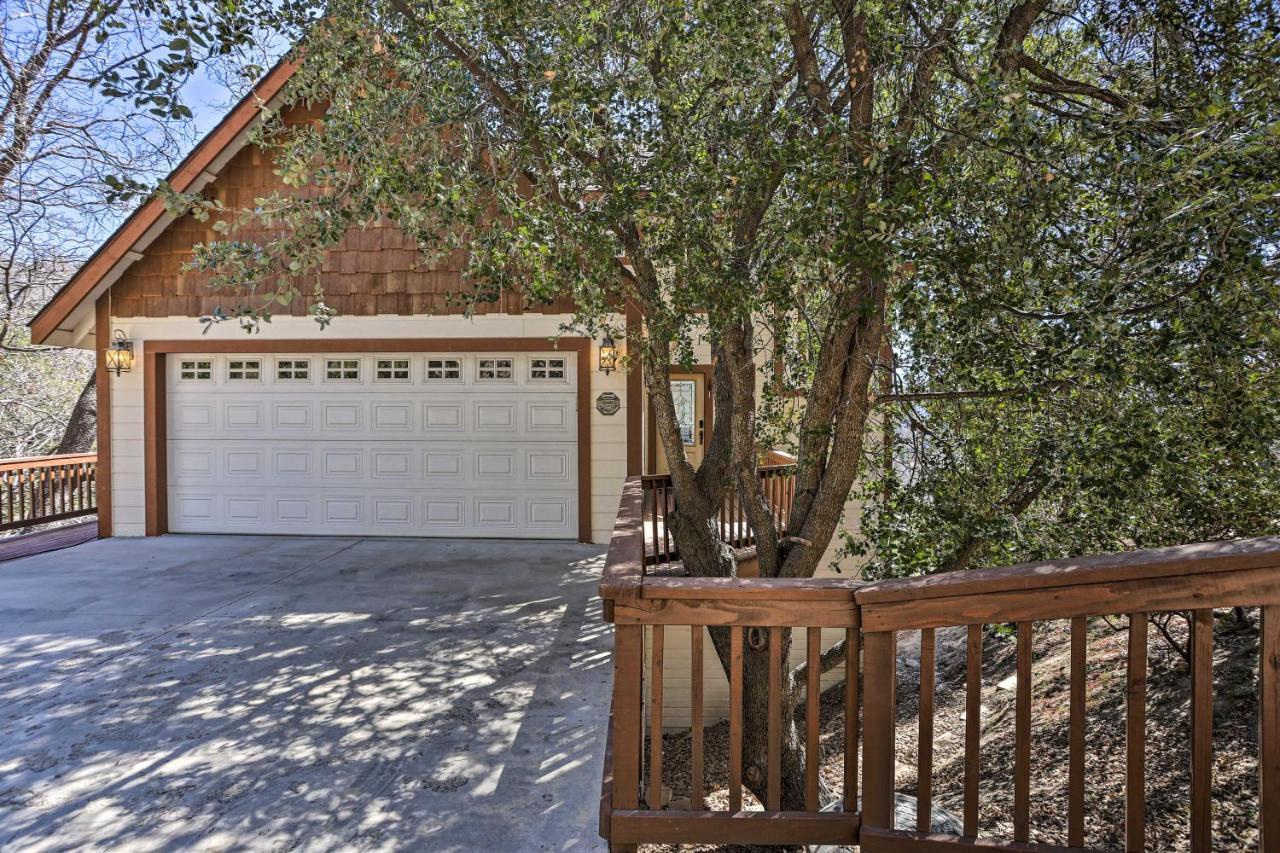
(244, 462)
(373, 457)
(242, 417)
(292, 462)
(549, 417)
(341, 416)
(544, 513)
(549, 464)
(444, 464)
(324, 464)
(444, 417)
(494, 465)
(393, 463)
(444, 513)
(392, 416)
(485, 513)
(293, 417)
(493, 417)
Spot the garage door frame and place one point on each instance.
(154, 368)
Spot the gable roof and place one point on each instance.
(69, 315)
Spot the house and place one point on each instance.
(402, 418)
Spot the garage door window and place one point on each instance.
(494, 369)
(196, 370)
(342, 369)
(290, 369)
(444, 369)
(244, 369)
(392, 370)
(546, 368)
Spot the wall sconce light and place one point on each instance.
(608, 355)
(120, 354)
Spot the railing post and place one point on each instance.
(1269, 731)
(628, 668)
(879, 662)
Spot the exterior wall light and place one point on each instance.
(608, 355)
(120, 354)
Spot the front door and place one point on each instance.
(689, 392)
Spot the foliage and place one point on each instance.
(1122, 271)
(78, 142)
(1077, 231)
(1035, 244)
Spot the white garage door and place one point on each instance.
(395, 444)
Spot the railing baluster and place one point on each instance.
(1269, 729)
(924, 751)
(972, 728)
(735, 718)
(813, 694)
(668, 504)
(852, 709)
(651, 504)
(1075, 760)
(654, 798)
(1135, 735)
(1201, 730)
(695, 687)
(773, 793)
(879, 664)
(1022, 738)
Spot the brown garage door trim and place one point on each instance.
(156, 430)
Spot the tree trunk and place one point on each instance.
(81, 430)
(755, 719)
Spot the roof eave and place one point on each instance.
(61, 320)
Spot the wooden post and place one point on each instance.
(628, 666)
(1269, 731)
(879, 705)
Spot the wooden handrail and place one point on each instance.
(1200, 558)
(41, 489)
(624, 564)
(777, 483)
(646, 609)
(46, 461)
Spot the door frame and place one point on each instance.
(154, 388)
(707, 371)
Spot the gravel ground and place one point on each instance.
(1168, 736)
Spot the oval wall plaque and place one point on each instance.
(608, 403)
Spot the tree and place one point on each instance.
(1056, 219)
(82, 132)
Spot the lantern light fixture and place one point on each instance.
(120, 354)
(608, 355)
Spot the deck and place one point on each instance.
(29, 544)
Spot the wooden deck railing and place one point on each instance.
(1193, 578)
(778, 482)
(40, 489)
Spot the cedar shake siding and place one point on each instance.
(369, 272)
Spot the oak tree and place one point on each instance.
(1031, 243)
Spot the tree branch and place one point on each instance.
(972, 394)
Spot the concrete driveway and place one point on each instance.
(275, 693)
